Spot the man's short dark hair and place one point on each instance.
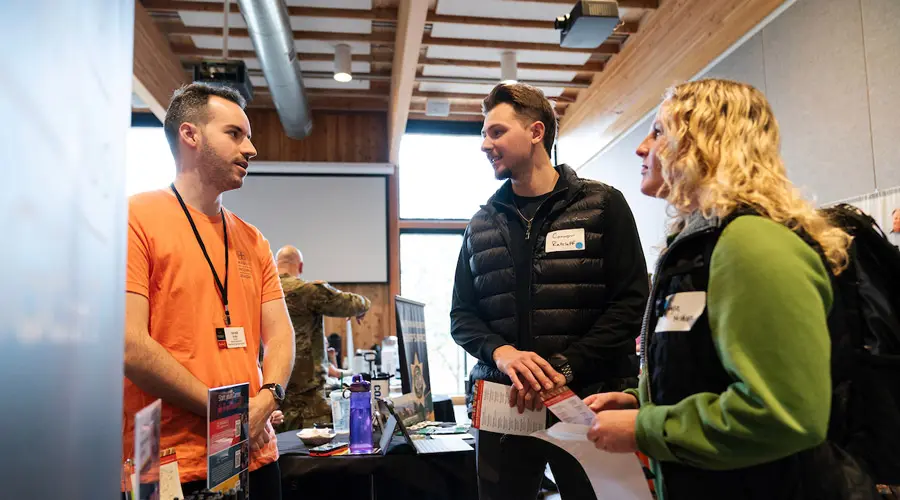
(189, 104)
(528, 102)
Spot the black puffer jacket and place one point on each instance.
(585, 303)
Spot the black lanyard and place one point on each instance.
(223, 289)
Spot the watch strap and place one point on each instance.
(276, 390)
(561, 364)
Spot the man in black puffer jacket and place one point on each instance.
(550, 285)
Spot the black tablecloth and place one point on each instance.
(401, 474)
(443, 408)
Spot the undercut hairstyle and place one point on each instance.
(190, 104)
(530, 104)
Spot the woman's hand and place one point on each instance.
(611, 401)
(613, 431)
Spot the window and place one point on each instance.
(148, 161)
(443, 178)
(427, 268)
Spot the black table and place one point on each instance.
(401, 474)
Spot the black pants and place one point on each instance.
(511, 467)
(265, 483)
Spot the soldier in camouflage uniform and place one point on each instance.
(308, 302)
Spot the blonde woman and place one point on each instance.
(735, 394)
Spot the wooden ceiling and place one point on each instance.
(458, 56)
(406, 52)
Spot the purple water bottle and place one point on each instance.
(360, 416)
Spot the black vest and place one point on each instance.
(680, 364)
(560, 295)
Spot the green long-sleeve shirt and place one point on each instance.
(768, 298)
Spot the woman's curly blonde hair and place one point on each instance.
(720, 152)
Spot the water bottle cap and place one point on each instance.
(359, 384)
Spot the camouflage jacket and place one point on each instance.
(308, 302)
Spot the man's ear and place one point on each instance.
(189, 134)
(537, 132)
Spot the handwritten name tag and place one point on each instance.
(566, 240)
(682, 311)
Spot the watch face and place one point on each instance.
(277, 391)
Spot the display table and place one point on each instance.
(400, 474)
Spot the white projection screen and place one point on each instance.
(339, 223)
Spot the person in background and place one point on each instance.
(335, 350)
(549, 290)
(203, 294)
(735, 394)
(308, 303)
(335, 376)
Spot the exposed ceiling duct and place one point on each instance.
(270, 30)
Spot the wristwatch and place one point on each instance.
(277, 391)
(561, 364)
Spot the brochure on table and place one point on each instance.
(228, 455)
(613, 476)
(145, 481)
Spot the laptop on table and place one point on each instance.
(422, 444)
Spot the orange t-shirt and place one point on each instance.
(166, 265)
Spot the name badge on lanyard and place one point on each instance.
(231, 337)
(228, 337)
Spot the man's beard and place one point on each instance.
(503, 173)
(219, 173)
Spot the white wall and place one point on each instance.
(831, 69)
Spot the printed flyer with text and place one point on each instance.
(228, 458)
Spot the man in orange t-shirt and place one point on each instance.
(195, 268)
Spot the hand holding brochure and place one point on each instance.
(612, 476)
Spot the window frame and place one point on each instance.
(433, 227)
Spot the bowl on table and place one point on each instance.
(315, 437)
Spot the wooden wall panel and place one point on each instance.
(376, 323)
(336, 136)
(156, 71)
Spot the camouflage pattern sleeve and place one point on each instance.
(329, 301)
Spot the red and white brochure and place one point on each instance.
(567, 406)
(491, 411)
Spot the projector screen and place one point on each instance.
(339, 223)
